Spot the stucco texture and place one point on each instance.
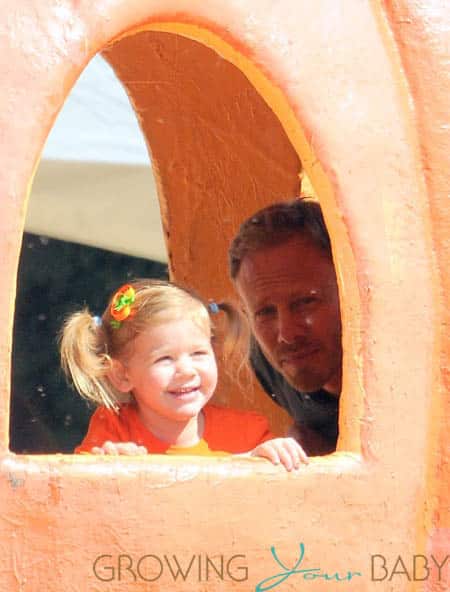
(236, 99)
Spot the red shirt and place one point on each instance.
(226, 430)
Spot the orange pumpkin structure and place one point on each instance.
(239, 102)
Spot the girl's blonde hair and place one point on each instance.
(89, 344)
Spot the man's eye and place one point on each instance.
(309, 300)
(305, 301)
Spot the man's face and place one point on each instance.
(291, 297)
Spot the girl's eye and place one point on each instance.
(200, 352)
(163, 359)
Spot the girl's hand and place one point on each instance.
(118, 448)
(286, 451)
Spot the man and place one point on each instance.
(282, 267)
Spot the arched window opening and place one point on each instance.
(93, 221)
(220, 153)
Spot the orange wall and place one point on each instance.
(213, 141)
(424, 50)
(361, 101)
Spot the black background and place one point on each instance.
(56, 278)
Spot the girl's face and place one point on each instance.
(171, 370)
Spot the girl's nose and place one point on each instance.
(185, 366)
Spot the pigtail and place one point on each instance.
(85, 359)
(234, 340)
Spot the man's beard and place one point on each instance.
(311, 375)
(305, 380)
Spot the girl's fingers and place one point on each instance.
(267, 450)
(286, 458)
(302, 454)
(286, 451)
(298, 455)
(110, 448)
(97, 450)
(127, 448)
(131, 449)
(118, 448)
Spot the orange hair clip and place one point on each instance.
(121, 305)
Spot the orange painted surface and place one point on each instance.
(213, 140)
(361, 98)
(431, 97)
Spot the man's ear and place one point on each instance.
(118, 376)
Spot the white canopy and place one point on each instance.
(94, 184)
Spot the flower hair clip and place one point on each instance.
(120, 308)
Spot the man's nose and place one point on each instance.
(291, 326)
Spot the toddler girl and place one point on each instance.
(149, 365)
